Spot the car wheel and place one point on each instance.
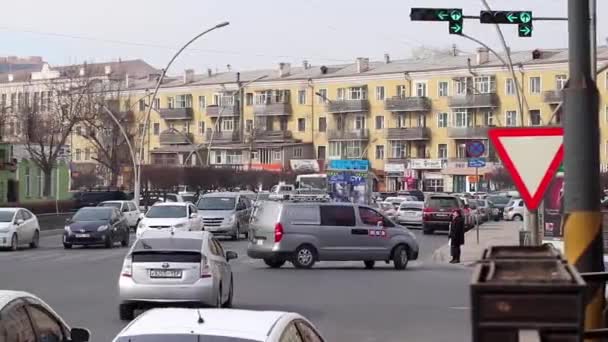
(14, 243)
(125, 240)
(517, 217)
(274, 262)
(126, 311)
(109, 243)
(67, 245)
(304, 257)
(400, 257)
(369, 264)
(228, 303)
(35, 240)
(237, 233)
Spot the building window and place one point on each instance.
(170, 102)
(443, 88)
(509, 86)
(442, 151)
(560, 81)
(201, 127)
(380, 93)
(276, 154)
(142, 105)
(461, 151)
(321, 96)
(399, 150)
(28, 184)
(433, 185)
(202, 102)
(40, 183)
(249, 99)
(461, 118)
(511, 118)
(322, 124)
(249, 126)
(321, 152)
(301, 125)
(227, 125)
(156, 103)
(421, 89)
(233, 157)
(298, 152)
(359, 122)
(301, 97)
(485, 84)
(535, 117)
(401, 91)
(460, 86)
(442, 120)
(78, 154)
(534, 85)
(87, 154)
(402, 121)
(357, 93)
(379, 152)
(488, 118)
(380, 122)
(156, 129)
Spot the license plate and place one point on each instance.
(83, 235)
(165, 273)
(442, 215)
(259, 242)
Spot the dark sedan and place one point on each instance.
(96, 226)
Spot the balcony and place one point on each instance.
(347, 106)
(175, 138)
(215, 111)
(414, 133)
(553, 96)
(341, 134)
(176, 113)
(222, 136)
(272, 109)
(474, 101)
(468, 132)
(407, 104)
(260, 135)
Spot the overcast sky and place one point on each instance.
(261, 33)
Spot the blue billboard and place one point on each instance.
(348, 164)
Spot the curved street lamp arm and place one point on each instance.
(171, 129)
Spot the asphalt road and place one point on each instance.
(426, 302)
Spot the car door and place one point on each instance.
(135, 212)
(241, 212)
(336, 232)
(46, 326)
(30, 222)
(196, 222)
(372, 245)
(24, 232)
(223, 266)
(15, 324)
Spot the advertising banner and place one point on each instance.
(553, 209)
(348, 164)
(304, 165)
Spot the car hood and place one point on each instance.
(4, 225)
(87, 226)
(215, 213)
(163, 221)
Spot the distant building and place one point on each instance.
(14, 63)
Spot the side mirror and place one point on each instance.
(231, 255)
(79, 335)
(193, 215)
(142, 215)
(68, 220)
(20, 221)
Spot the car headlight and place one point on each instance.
(141, 225)
(230, 219)
(180, 225)
(67, 229)
(102, 228)
(5, 229)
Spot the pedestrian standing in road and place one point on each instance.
(456, 235)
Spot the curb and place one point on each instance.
(51, 232)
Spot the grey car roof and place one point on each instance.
(222, 194)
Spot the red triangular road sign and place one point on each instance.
(532, 157)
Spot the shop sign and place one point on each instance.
(418, 164)
(267, 167)
(348, 164)
(394, 168)
(304, 165)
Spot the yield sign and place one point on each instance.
(532, 156)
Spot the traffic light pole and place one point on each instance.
(582, 219)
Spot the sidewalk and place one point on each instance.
(501, 233)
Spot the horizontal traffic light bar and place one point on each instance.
(505, 17)
(436, 14)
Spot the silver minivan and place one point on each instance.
(225, 213)
(304, 233)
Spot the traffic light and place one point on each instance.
(452, 15)
(522, 18)
(525, 30)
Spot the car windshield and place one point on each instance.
(216, 203)
(92, 215)
(182, 338)
(442, 202)
(499, 199)
(285, 188)
(189, 198)
(110, 205)
(313, 183)
(6, 216)
(167, 211)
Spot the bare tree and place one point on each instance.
(426, 52)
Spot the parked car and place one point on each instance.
(514, 210)
(498, 203)
(474, 212)
(395, 201)
(485, 209)
(225, 213)
(305, 233)
(437, 212)
(388, 209)
(128, 209)
(227, 325)
(188, 197)
(96, 226)
(281, 192)
(178, 267)
(416, 193)
(18, 226)
(25, 317)
(94, 197)
(171, 216)
(172, 198)
(410, 213)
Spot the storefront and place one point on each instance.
(394, 177)
(427, 174)
(465, 178)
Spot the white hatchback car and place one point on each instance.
(410, 213)
(224, 325)
(128, 209)
(514, 210)
(18, 226)
(181, 216)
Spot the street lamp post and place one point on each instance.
(158, 83)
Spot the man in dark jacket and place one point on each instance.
(456, 235)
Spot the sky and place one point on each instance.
(261, 34)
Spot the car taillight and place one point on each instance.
(205, 269)
(426, 213)
(127, 268)
(278, 232)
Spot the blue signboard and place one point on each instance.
(477, 162)
(348, 164)
(475, 149)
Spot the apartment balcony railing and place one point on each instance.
(347, 106)
(553, 96)
(174, 138)
(222, 136)
(260, 135)
(407, 104)
(272, 109)
(413, 133)
(489, 100)
(176, 113)
(468, 132)
(345, 134)
(215, 111)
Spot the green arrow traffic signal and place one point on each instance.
(525, 30)
(511, 17)
(456, 15)
(442, 15)
(456, 28)
(525, 17)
